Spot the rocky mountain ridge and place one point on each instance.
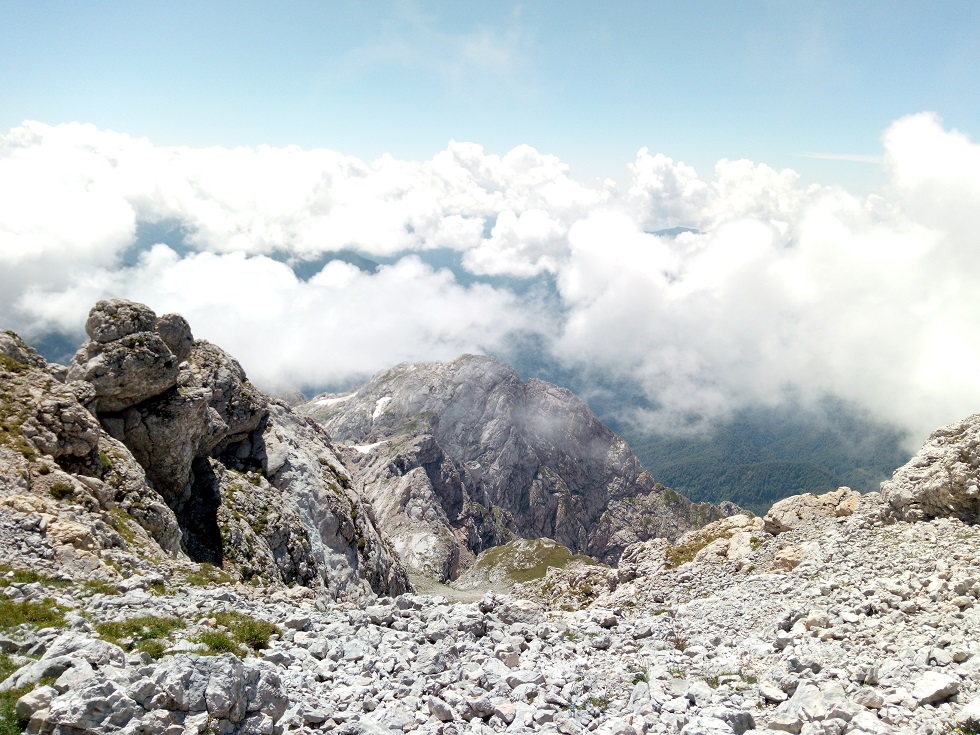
(462, 456)
(156, 450)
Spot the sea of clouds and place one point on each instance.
(783, 288)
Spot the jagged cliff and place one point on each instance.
(161, 438)
(458, 457)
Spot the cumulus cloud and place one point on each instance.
(778, 288)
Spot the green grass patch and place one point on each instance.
(43, 614)
(144, 633)
(11, 365)
(9, 575)
(157, 589)
(599, 703)
(527, 560)
(124, 524)
(208, 574)
(217, 641)
(98, 587)
(12, 415)
(253, 632)
(9, 724)
(682, 553)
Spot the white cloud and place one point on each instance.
(784, 286)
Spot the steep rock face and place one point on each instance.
(168, 433)
(462, 456)
(942, 479)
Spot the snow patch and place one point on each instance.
(333, 401)
(379, 407)
(365, 448)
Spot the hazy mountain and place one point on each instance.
(461, 456)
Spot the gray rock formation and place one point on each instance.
(789, 513)
(21, 353)
(942, 479)
(163, 434)
(124, 359)
(848, 623)
(462, 456)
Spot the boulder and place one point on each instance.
(176, 334)
(789, 513)
(788, 559)
(942, 479)
(112, 319)
(127, 371)
(933, 687)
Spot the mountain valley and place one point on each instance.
(180, 553)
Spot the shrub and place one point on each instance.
(62, 490)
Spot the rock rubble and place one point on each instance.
(871, 634)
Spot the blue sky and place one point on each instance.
(590, 83)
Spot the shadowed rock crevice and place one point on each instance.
(199, 516)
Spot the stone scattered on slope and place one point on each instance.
(872, 634)
(789, 513)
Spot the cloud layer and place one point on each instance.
(781, 289)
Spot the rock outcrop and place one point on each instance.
(789, 513)
(462, 456)
(160, 432)
(942, 479)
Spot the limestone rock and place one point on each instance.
(176, 334)
(789, 513)
(728, 539)
(126, 371)
(934, 687)
(969, 715)
(36, 699)
(19, 352)
(462, 456)
(942, 479)
(131, 355)
(189, 450)
(787, 559)
(113, 319)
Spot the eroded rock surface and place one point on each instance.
(159, 447)
(942, 479)
(789, 513)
